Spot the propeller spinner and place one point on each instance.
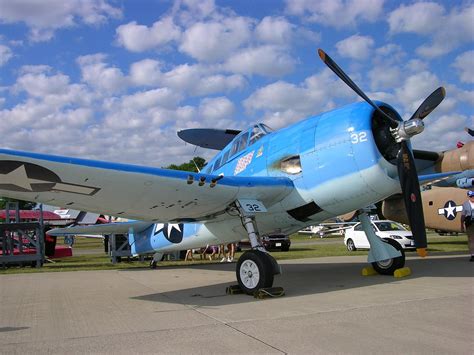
(402, 132)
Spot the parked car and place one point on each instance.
(355, 237)
(273, 241)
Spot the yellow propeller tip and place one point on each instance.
(322, 55)
(422, 252)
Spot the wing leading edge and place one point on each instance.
(137, 192)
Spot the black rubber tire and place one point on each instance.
(350, 245)
(285, 248)
(388, 267)
(152, 264)
(254, 260)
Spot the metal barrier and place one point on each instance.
(21, 243)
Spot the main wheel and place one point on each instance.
(350, 245)
(254, 271)
(388, 267)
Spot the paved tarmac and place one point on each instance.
(328, 308)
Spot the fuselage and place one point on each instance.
(333, 160)
(442, 208)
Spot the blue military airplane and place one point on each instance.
(261, 182)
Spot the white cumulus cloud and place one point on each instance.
(442, 132)
(46, 16)
(420, 18)
(415, 89)
(267, 60)
(283, 102)
(146, 72)
(215, 40)
(139, 38)
(447, 31)
(216, 109)
(100, 75)
(465, 65)
(274, 30)
(336, 13)
(355, 47)
(5, 54)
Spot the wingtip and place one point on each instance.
(422, 252)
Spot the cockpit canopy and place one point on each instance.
(241, 142)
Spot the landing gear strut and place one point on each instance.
(388, 266)
(256, 267)
(156, 257)
(386, 255)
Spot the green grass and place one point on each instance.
(85, 243)
(320, 248)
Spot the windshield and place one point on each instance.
(389, 226)
(241, 142)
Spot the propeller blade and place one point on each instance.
(345, 78)
(412, 197)
(430, 103)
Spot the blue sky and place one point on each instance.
(114, 80)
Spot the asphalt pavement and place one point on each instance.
(328, 308)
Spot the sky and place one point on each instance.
(115, 80)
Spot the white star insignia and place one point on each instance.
(18, 177)
(173, 226)
(159, 227)
(450, 210)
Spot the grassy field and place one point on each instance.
(90, 255)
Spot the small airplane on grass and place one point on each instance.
(261, 182)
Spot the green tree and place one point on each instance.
(189, 166)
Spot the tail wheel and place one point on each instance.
(254, 271)
(388, 267)
(350, 245)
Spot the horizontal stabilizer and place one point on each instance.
(100, 229)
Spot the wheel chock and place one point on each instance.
(369, 271)
(404, 271)
(270, 292)
(233, 290)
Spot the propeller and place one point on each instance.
(345, 78)
(412, 196)
(402, 131)
(430, 103)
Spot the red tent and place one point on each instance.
(28, 214)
